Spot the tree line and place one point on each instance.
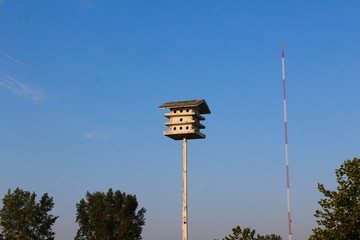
(107, 216)
(117, 216)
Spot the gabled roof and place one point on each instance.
(200, 105)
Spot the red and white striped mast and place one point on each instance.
(286, 144)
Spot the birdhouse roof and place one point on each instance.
(200, 105)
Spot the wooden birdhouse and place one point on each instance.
(185, 117)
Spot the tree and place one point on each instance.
(21, 217)
(109, 216)
(241, 234)
(340, 214)
(248, 234)
(269, 237)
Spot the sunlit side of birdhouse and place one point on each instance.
(184, 119)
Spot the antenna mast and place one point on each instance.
(286, 143)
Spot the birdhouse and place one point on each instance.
(184, 119)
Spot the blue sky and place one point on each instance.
(81, 82)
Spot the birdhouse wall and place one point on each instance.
(184, 128)
(182, 119)
(182, 111)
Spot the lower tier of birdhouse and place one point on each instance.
(191, 134)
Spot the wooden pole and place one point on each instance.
(185, 209)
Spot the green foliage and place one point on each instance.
(21, 217)
(269, 237)
(340, 214)
(109, 216)
(238, 233)
(248, 234)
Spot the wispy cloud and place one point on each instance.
(11, 83)
(86, 5)
(97, 133)
(6, 58)
(12, 59)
